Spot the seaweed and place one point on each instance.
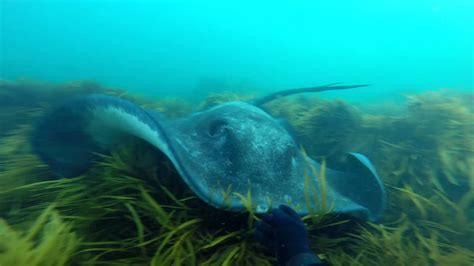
(326, 129)
(400, 245)
(132, 207)
(217, 98)
(48, 240)
(126, 213)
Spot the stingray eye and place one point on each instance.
(218, 128)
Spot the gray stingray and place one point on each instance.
(234, 147)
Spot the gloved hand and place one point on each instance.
(284, 233)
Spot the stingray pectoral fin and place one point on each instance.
(361, 184)
(69, 138)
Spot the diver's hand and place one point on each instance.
(284, 233)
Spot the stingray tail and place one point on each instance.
(328, 87)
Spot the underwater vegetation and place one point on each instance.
(49, 241)
(132, 208)
(326, 129)
(214, 99)
(125, 213)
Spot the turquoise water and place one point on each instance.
(187, 48)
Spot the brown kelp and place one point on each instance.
(132, 208)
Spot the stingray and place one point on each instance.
(229, 149)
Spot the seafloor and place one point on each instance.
(129, 208)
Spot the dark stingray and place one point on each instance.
(235, 146)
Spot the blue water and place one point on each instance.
(187, 48)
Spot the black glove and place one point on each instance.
(284, 233)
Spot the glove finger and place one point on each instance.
(292, 213)
(279, 216)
